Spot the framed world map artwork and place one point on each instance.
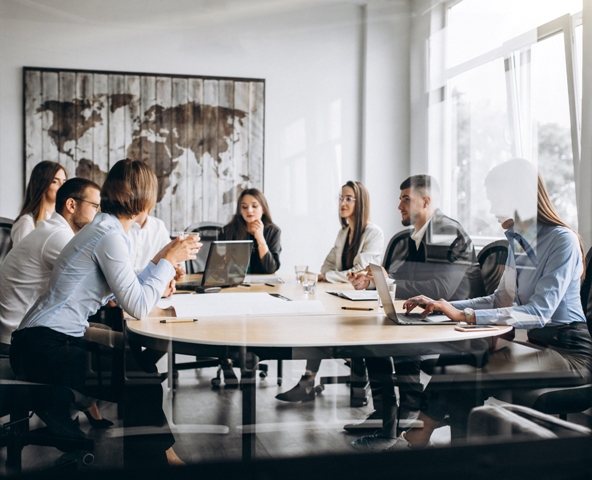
(203, 136)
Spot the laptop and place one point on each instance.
(402, 318)
(226, 266)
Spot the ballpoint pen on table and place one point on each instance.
(363, 309)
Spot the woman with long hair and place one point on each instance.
(539, 291)
(359, 243)
(94, 267)
(40, 197)
(252, 221)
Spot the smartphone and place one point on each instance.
(473, 328)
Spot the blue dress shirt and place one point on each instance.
(541, 283)
(92, 268)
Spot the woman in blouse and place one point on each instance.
(359, 243)
(40, 197)
(93, 268)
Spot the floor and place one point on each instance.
(207, 422)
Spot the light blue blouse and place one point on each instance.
(540, 286)
(92, 268)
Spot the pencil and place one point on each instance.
(179, 320)
(363, 309)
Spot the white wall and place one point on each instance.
(316, 58)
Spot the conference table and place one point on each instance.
(333, 332)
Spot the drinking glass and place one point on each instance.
(300, 271)
(309, 282)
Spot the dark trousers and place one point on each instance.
(43, 355)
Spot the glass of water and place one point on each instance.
(300, 271)
(309, 282)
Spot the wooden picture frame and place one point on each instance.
(203, 136)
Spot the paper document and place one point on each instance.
(262, 279)
(237, 304)
(355, 295)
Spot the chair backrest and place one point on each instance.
(209, 232)
(388, 254)
(586, 292)
(5, 241)
(492, 263)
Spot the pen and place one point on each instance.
(363, 309)
(270, 284)
(246, 285)
(179, 320)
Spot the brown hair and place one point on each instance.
(41, 178)
(361, 217)
(519, 174)
(237, 228)
(130, 188)
(74, 188)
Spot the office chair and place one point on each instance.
(563, 401)
(209, 232)
(5, 241)
(492, 263)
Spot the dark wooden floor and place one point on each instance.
(207, 422)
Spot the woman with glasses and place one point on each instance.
(40, 198)
(359, 243)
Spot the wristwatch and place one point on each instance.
(469, 312)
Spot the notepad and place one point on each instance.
(262, 279)
(355, 295)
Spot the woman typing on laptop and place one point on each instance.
(539, 291)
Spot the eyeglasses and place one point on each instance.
(346, 199)
(96, 205)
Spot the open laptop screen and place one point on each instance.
(227, 263)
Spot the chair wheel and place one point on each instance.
(319, 389)
(262, 374)
(279, 381)
(216, 382)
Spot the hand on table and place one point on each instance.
(430, 306)
(359, 280)
(321, 277)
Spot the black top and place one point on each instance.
(444, 266)
(346, 247)
(270, 262)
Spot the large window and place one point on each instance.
(509, 76)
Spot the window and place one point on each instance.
(509, 82)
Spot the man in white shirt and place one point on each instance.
(26, 270)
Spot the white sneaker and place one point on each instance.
(401, 443)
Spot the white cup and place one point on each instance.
(309, 283)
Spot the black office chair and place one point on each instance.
(209, 232)
(492, 263)
(563, 401)
(5, 240)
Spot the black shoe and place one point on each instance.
(59, 425)
(304, 391)
(230, 380)
(100, 424)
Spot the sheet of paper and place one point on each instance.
(262, 279)
(356, 294)
(236, 304)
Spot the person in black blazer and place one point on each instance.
(252, 221)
